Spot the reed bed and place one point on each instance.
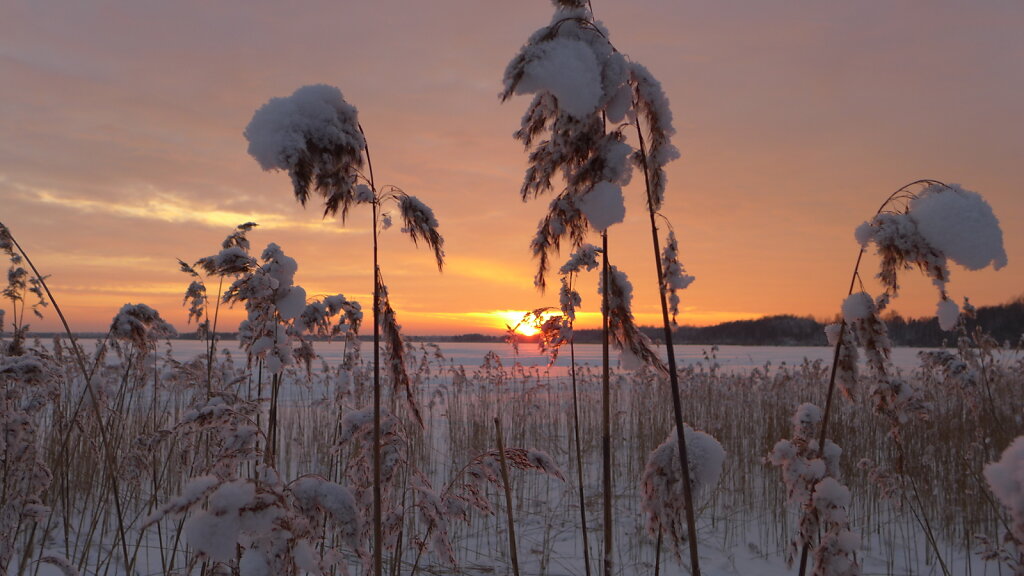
(166, 429)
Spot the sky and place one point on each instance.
(121, 146)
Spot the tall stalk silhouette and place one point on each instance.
(10, 246)
(586, 93)
(921, 230)
(316, 137)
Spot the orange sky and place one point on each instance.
(121, 145)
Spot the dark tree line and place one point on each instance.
(1004, 323)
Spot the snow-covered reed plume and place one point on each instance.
(923, 230)
(578, 79)
(1005, 478)
(635, 348)
(27, 388)
(265, 526)
(586, 94)
(140, 325)
(811, 476)
(941, 223)
(661, 487)
(21, 289)
(316, 137)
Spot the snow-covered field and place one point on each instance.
(724, 358)
(165, 442)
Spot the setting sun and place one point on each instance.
(516, 320)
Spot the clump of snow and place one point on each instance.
(568, 70)
(603, 205)
(832, 332)
(254, 563)
(140, 324)
(292, 303)
(214, 535)
(948, 314)
(232, 496)
(864, 234)
(961, 225)
(215, 531)
(1006, 479)
(807, 415)
(705, 454)
(662, 487)
(281, 131)
(858, 306)
(584, 258)
(831, 499)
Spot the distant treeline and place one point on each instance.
(1005, 323)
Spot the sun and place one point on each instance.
(514, 319)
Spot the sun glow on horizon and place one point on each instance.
(522, 321)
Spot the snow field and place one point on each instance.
(744, 521)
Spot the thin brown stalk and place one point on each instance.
(512, 551)
(606, 418)
(378, 530)
(109, 456)
(579, 457)
(673, 373)
(823, 435)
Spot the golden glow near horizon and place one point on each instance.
(792, 124)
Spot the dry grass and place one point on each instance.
(147, 395)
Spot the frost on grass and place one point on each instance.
(661, 487)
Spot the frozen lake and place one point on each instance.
(471, 355)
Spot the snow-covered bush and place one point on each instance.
(21, 287)
(811, 478)
(661, 486)
(140, 325)
(1006, 480)
(263, 526)
(27, 387)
